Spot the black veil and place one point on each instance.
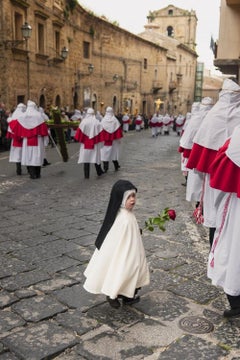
(114, 204)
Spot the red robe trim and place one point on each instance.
(110, 137)
(224, 174)
(185, 152)
(19, 132)
(168, 123)
(201, 158)
(138, 122)
(16, 141)
(151, 124)
(88, 143)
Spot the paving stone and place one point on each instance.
(75, 272)
(8, 246)
(83, 255)
(195, 290)
(45, 251)
(23, 280)
(161, 280)
(38, 308)
(25, 293)
(165, 264)
(8, 356)
(66, 234)
(6, 298)
(78, 298)
(10, 266)
(228, 333)
(107, 345)
(115, 318)
(214, 317)
(9, 321)
(162, 305)
(77, 321)
(192, 270)
(57, 264)
(85, 239)
(151, 333)
(36, 240)
(39, 342)
(191, 347)
(58, 282)
(221, 303)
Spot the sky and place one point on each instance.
(132, 16)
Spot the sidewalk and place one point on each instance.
(48, 229)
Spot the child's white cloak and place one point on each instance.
(119, 266)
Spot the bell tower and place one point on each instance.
(176, 23)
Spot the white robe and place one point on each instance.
(226, 269)
(194, 185)
(34, 155)
(119, 266)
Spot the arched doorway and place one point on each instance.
(75, 100)
(94, 101)
(58, 101)
(42, 101)
(114, 104)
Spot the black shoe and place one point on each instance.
(130, 301)
(45, 162)
(113, 302)
(232, 313)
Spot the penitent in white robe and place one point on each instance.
(119, 266)
(223, 263)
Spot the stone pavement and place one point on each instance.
(48, 229)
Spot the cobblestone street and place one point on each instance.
(48, 229)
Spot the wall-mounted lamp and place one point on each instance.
(26, 30)
(83, 74)
(59, 59)
(64, 53)
(115, 77)
(90, 68)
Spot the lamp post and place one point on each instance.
(26, 33)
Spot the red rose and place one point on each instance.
(172, 214)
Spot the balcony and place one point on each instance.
(157, 85)
(172, 85)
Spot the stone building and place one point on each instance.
(175, 29)
(227, 48)
(74, 59)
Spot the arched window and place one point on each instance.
(170, 31)
(170, 12)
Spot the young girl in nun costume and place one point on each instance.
(118, 267)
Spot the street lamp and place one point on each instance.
(26, 33)
(64, 52)
(90, 68)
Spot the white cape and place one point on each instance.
(120, 266)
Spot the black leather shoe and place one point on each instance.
(130, 301)
(232, 313)
(113, 302)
